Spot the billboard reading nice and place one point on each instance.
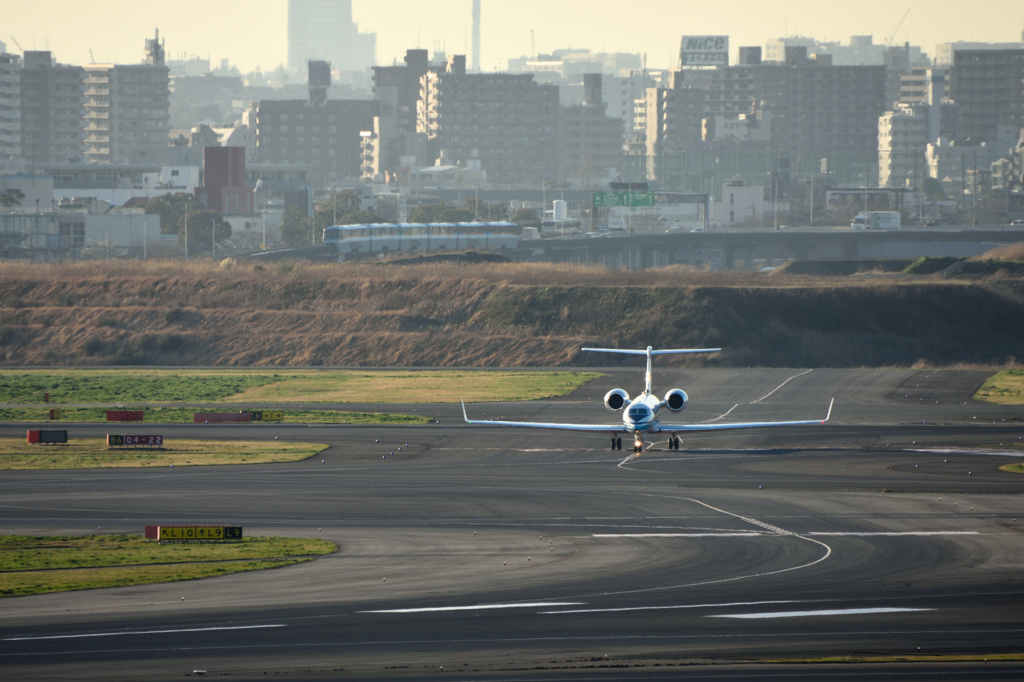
(704, 51)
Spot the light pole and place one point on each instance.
(186, 230)
(259, 188)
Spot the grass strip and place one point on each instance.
(92, 453)
(127, 385)
(121, 387)
(1003, 388)
(181, 415)
(1013, 468)
(40, 564)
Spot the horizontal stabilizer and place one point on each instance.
(653, 352)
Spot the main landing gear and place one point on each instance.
(673, 442)
(616, 443)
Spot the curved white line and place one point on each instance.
(724, 415)
(761, 524)
(781, 385)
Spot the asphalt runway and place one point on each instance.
(497, 553)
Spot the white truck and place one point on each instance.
(876, 220)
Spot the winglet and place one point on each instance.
(829, 410)
(464, 415)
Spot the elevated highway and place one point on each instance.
(749, 250)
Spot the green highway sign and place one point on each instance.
(623, 199)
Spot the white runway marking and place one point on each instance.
(736, 534)
(741, 534)
(678, 606)
(897, 533)
(129, 633)
(774, 529)
(781, 385)
(723, 415)
(480, 607)
(824, 612)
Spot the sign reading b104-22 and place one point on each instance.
(704, 51)
(152, 440)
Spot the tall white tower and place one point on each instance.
(476, 37)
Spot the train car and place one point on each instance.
(356, 241)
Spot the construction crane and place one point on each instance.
(17, 43)
(889, 40)
(92, 59)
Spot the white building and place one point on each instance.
(740, 206)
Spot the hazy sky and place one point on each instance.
(254, 34)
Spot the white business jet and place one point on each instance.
(641, 417)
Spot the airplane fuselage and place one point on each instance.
(641, 415)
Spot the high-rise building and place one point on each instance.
(590, 142)
(128, 109)
(324, 30)
(816, 110)
(505, 122)
(987, 84)
(945, 52)
(321, 135)
(397, 89)
(53, 117)
(10, 106)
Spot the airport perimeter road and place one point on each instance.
(491, 553)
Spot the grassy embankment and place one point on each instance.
(36, 565)
(490, 315)
(92, 453)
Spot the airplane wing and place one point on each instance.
(598, 428)
(743, 425)
(620, 428)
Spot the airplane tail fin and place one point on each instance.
(650, 352)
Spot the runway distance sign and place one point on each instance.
(266, 415)
(195, 533)
(120, 440)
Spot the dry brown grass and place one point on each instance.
(1013, 252)
(488, 315)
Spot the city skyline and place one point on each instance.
(198, 29)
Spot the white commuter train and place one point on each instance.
(353, 241)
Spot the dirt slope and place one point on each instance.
(489, 315)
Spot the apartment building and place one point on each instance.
(128, 109)
(319, 134)
(989, 87)
(10, 106)
(590, 141)
(817, 110)
(53, 117)
(508, 122)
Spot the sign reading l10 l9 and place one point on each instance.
(199, 533)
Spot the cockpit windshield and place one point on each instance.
(639, 412)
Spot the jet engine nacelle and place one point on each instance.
(675, 399)
(616, 399)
